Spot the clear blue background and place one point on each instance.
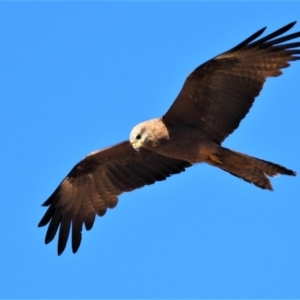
(76, 77)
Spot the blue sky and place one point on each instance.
(76, 77)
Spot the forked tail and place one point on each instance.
(251, 169)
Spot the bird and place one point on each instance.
(214, 99)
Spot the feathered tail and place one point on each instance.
(251, 169)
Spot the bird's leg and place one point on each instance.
(210, 153)
(214, 159)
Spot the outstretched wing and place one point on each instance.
(219, 93)
(94, 184)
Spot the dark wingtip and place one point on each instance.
(251, 40)
(75, 246)
(290, 25)
(44, 221)
(291, 173)
(48, 238)
(41, 224)
(60, 250)
(248, 40)
(76, 235)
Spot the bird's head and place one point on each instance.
(149, 134)
(139, 136)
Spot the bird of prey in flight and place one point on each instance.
(214, 99)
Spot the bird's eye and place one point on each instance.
(138, 137)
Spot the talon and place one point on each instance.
(215, 159)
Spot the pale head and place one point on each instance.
(148, 134)
(139, 135)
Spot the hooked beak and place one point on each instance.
(137, 145)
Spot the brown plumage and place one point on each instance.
(213, 101)
(94, 184)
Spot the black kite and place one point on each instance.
(214, 99)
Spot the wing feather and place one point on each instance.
(64, 230)
(94, 185)
(122, 179)
(76, 234)
(217, 95)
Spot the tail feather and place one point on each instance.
(252, 169)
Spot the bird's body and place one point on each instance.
(180, 141)
(189, 143)
(214, 99)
